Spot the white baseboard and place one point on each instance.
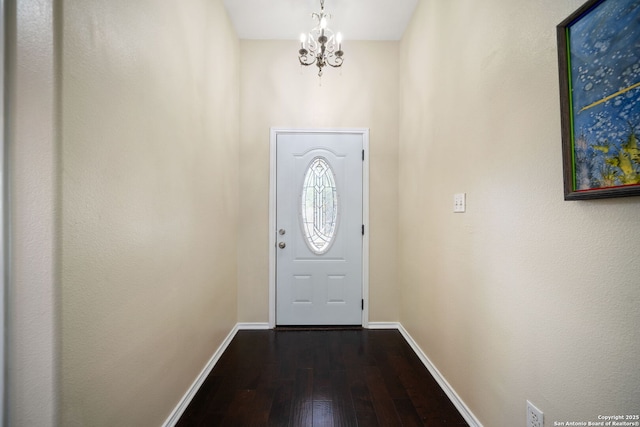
(252, 326)
(383, 325)
(446, 387)
(191, 392)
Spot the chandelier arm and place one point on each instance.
(307, 60)
(337, 62)
(312, 43)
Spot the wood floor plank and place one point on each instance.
(367, 419)
(388, 371)
(320, 378)
(361, 396)
(322, 413)
(382, 402)
(336, 361)
(259, 413)
(407, 413)
(280, 413)
(344, 413)
(304, 384)
(302, 400)
(301, 413)
(322, 386)
(237, 414)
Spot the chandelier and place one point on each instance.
(321, 46)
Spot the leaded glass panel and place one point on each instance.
(319, 206)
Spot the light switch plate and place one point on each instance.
(459, 202)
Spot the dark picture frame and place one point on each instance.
(599, 70)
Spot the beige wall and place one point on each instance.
(149, 203)
(276, 91)
(525, 296)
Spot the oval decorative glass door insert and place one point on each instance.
(319, 210)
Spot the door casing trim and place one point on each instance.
(275, 131)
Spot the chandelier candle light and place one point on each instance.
(321, 46)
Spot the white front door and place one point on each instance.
(319, 228)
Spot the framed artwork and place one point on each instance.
(599, 67)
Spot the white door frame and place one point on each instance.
(272, 215)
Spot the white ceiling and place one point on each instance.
(287, 19)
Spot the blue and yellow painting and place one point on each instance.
(604, 50)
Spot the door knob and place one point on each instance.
(282, 245)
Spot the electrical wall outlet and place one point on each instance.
(459, 202)
(535, 417)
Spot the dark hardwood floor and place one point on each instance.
(320, 378)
